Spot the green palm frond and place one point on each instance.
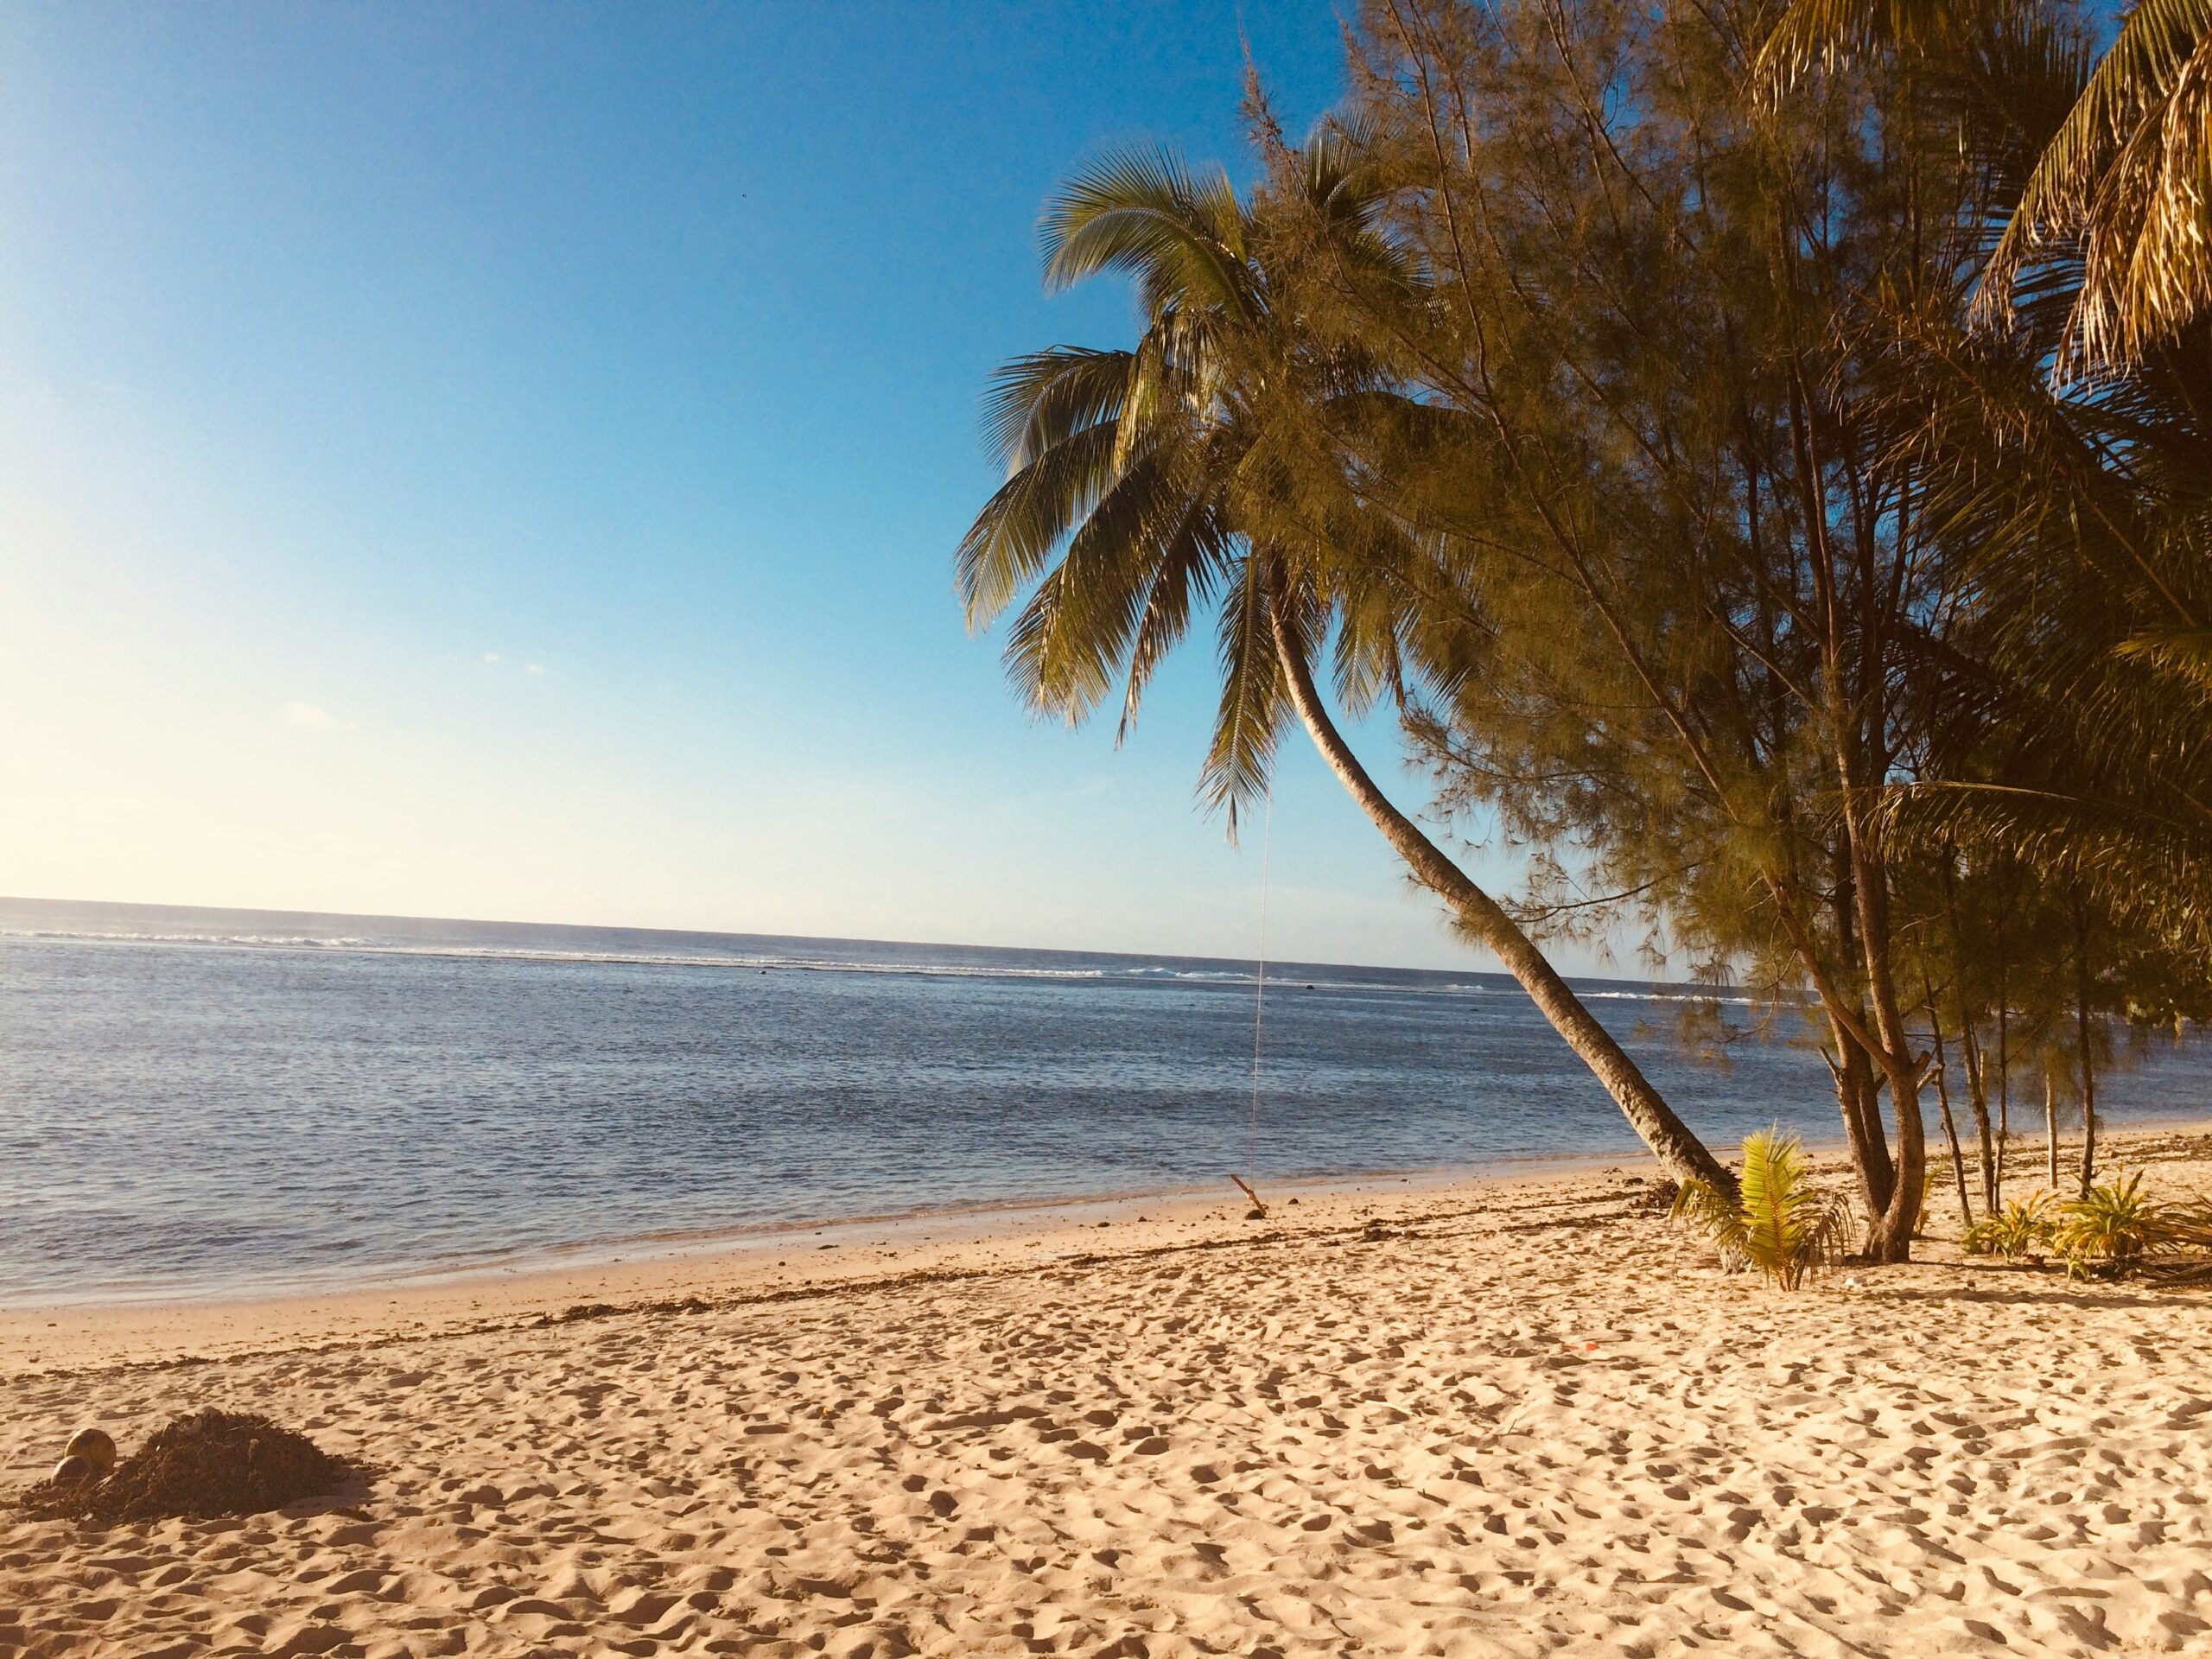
(1833, 31)
(1038, 402)
(2123, 184)
(1340, 183)
(1249, 719)
(2141, 858)
(1713, 1213)
(1195, 557)
(2129, 174)
(1780, 1224)
(1070, 643)
(2186, 653)
(1144, 214)
(1170, 391)
(1016, 536)
(1370, 656)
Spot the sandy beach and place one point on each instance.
(1508, 1418)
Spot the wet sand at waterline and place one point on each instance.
(1505, 1418)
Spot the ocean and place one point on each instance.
(198, 1103)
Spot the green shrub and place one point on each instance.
(2022, 1227)
(2115, 1227)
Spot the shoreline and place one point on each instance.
(799, 1259)
(960, 1220)
(830, 1257)
(960, 1223)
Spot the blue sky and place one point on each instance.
(505, 461)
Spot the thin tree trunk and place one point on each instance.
(2003, 1087)
(2051, 1125)
(2089, 1127)
(1680, 1153)
(1978, 1099)
(1969, 1045)
(1943, 1103)
(2088, 1059)
(1891, 1238)
(1957, 1158)
(1857, 1093)
(2003, 1049)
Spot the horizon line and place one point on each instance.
(823, 938)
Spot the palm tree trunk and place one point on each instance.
(1943, 1102)
(1680, 1153)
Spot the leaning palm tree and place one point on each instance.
(1147, 486)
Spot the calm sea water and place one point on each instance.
(195, 1102)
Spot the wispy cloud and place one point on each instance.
(306, 717)
(490, 655)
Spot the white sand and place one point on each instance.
(1527, 1419)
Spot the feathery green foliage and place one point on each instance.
(1837, 635)
(1641, 443)
(1780, 1224)
(2073, 509)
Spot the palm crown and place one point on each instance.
(1139, 480)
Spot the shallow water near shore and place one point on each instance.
(210, 1102)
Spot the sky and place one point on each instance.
(505, 461)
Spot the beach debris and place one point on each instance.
(581, 1311)
(1259, 1210)
(95, 1446)
(206, 1463)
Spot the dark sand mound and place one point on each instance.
(210, 1463)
